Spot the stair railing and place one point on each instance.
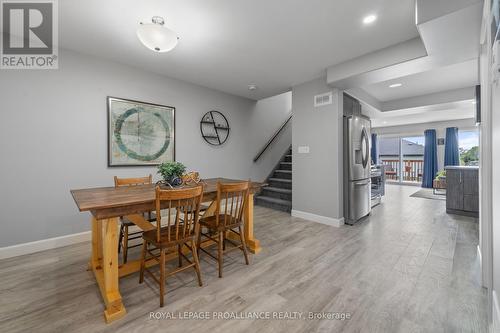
(268, 144)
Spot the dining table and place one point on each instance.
(108, 204)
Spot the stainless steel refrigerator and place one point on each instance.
(357, 164)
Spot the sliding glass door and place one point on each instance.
(403, 158)
(412, 159)
(389, 156)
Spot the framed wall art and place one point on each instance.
(140, 134)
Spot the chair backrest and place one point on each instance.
(232, 199)
(120, 182)
(177, 202)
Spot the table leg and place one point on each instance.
(211, 209)
(252, 243)
(96, 256)
(105, 239)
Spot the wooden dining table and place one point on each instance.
(108, 204)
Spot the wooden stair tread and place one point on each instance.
(275, 200)
(280, 180)
(277, 189)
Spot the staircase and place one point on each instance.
(278, 195)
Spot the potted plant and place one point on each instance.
(441, 175)
(171, 172)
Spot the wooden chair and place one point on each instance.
(408, 173)
(125, 235)
(177, 233)
(233, 197)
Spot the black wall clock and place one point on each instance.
(214, 128)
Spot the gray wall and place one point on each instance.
(418, 129)
(317, 176)
(53, 134)
(267, 117)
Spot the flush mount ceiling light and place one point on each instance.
(252, 87)
(395, 85)
(369, 19)
(156, 36)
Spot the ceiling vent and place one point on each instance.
(323, 99)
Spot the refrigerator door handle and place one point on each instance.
(366, 182)
(364, 137)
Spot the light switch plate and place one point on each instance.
(303, 150)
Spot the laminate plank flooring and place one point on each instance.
(409, 267)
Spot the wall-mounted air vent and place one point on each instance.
(323, 99)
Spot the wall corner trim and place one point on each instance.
(318, 218)
(480, 255)
(44, 244)
(496, 312)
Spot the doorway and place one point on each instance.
(403, 158)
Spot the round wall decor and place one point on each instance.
(214, 128)
(145, 155)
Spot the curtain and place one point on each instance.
(451, 153)
(374, 152)
(430, 158)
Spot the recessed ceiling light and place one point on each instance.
(395, 85)
(252, 87)
(369, 19)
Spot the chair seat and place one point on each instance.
(150, 236)
(210, 222)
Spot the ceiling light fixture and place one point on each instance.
(369, 19)
(252, 87)
(156, 36)
(395, 85)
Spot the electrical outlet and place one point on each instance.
(303, 150)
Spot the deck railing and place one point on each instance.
(412, 169)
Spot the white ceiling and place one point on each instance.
(427, 114)
(451, 77)
(228, 44)
(438, 86)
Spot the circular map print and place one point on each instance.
(141, 135)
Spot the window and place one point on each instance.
(468, 146)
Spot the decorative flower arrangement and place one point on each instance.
(172, 172)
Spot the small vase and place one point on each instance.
(175, 181)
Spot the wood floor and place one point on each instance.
(410, 267)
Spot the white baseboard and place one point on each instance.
(496, 313)
(318, 218)
(44, 244)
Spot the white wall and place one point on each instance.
(54, 138)
(418, 129)
(317, 176)
(489, 214)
